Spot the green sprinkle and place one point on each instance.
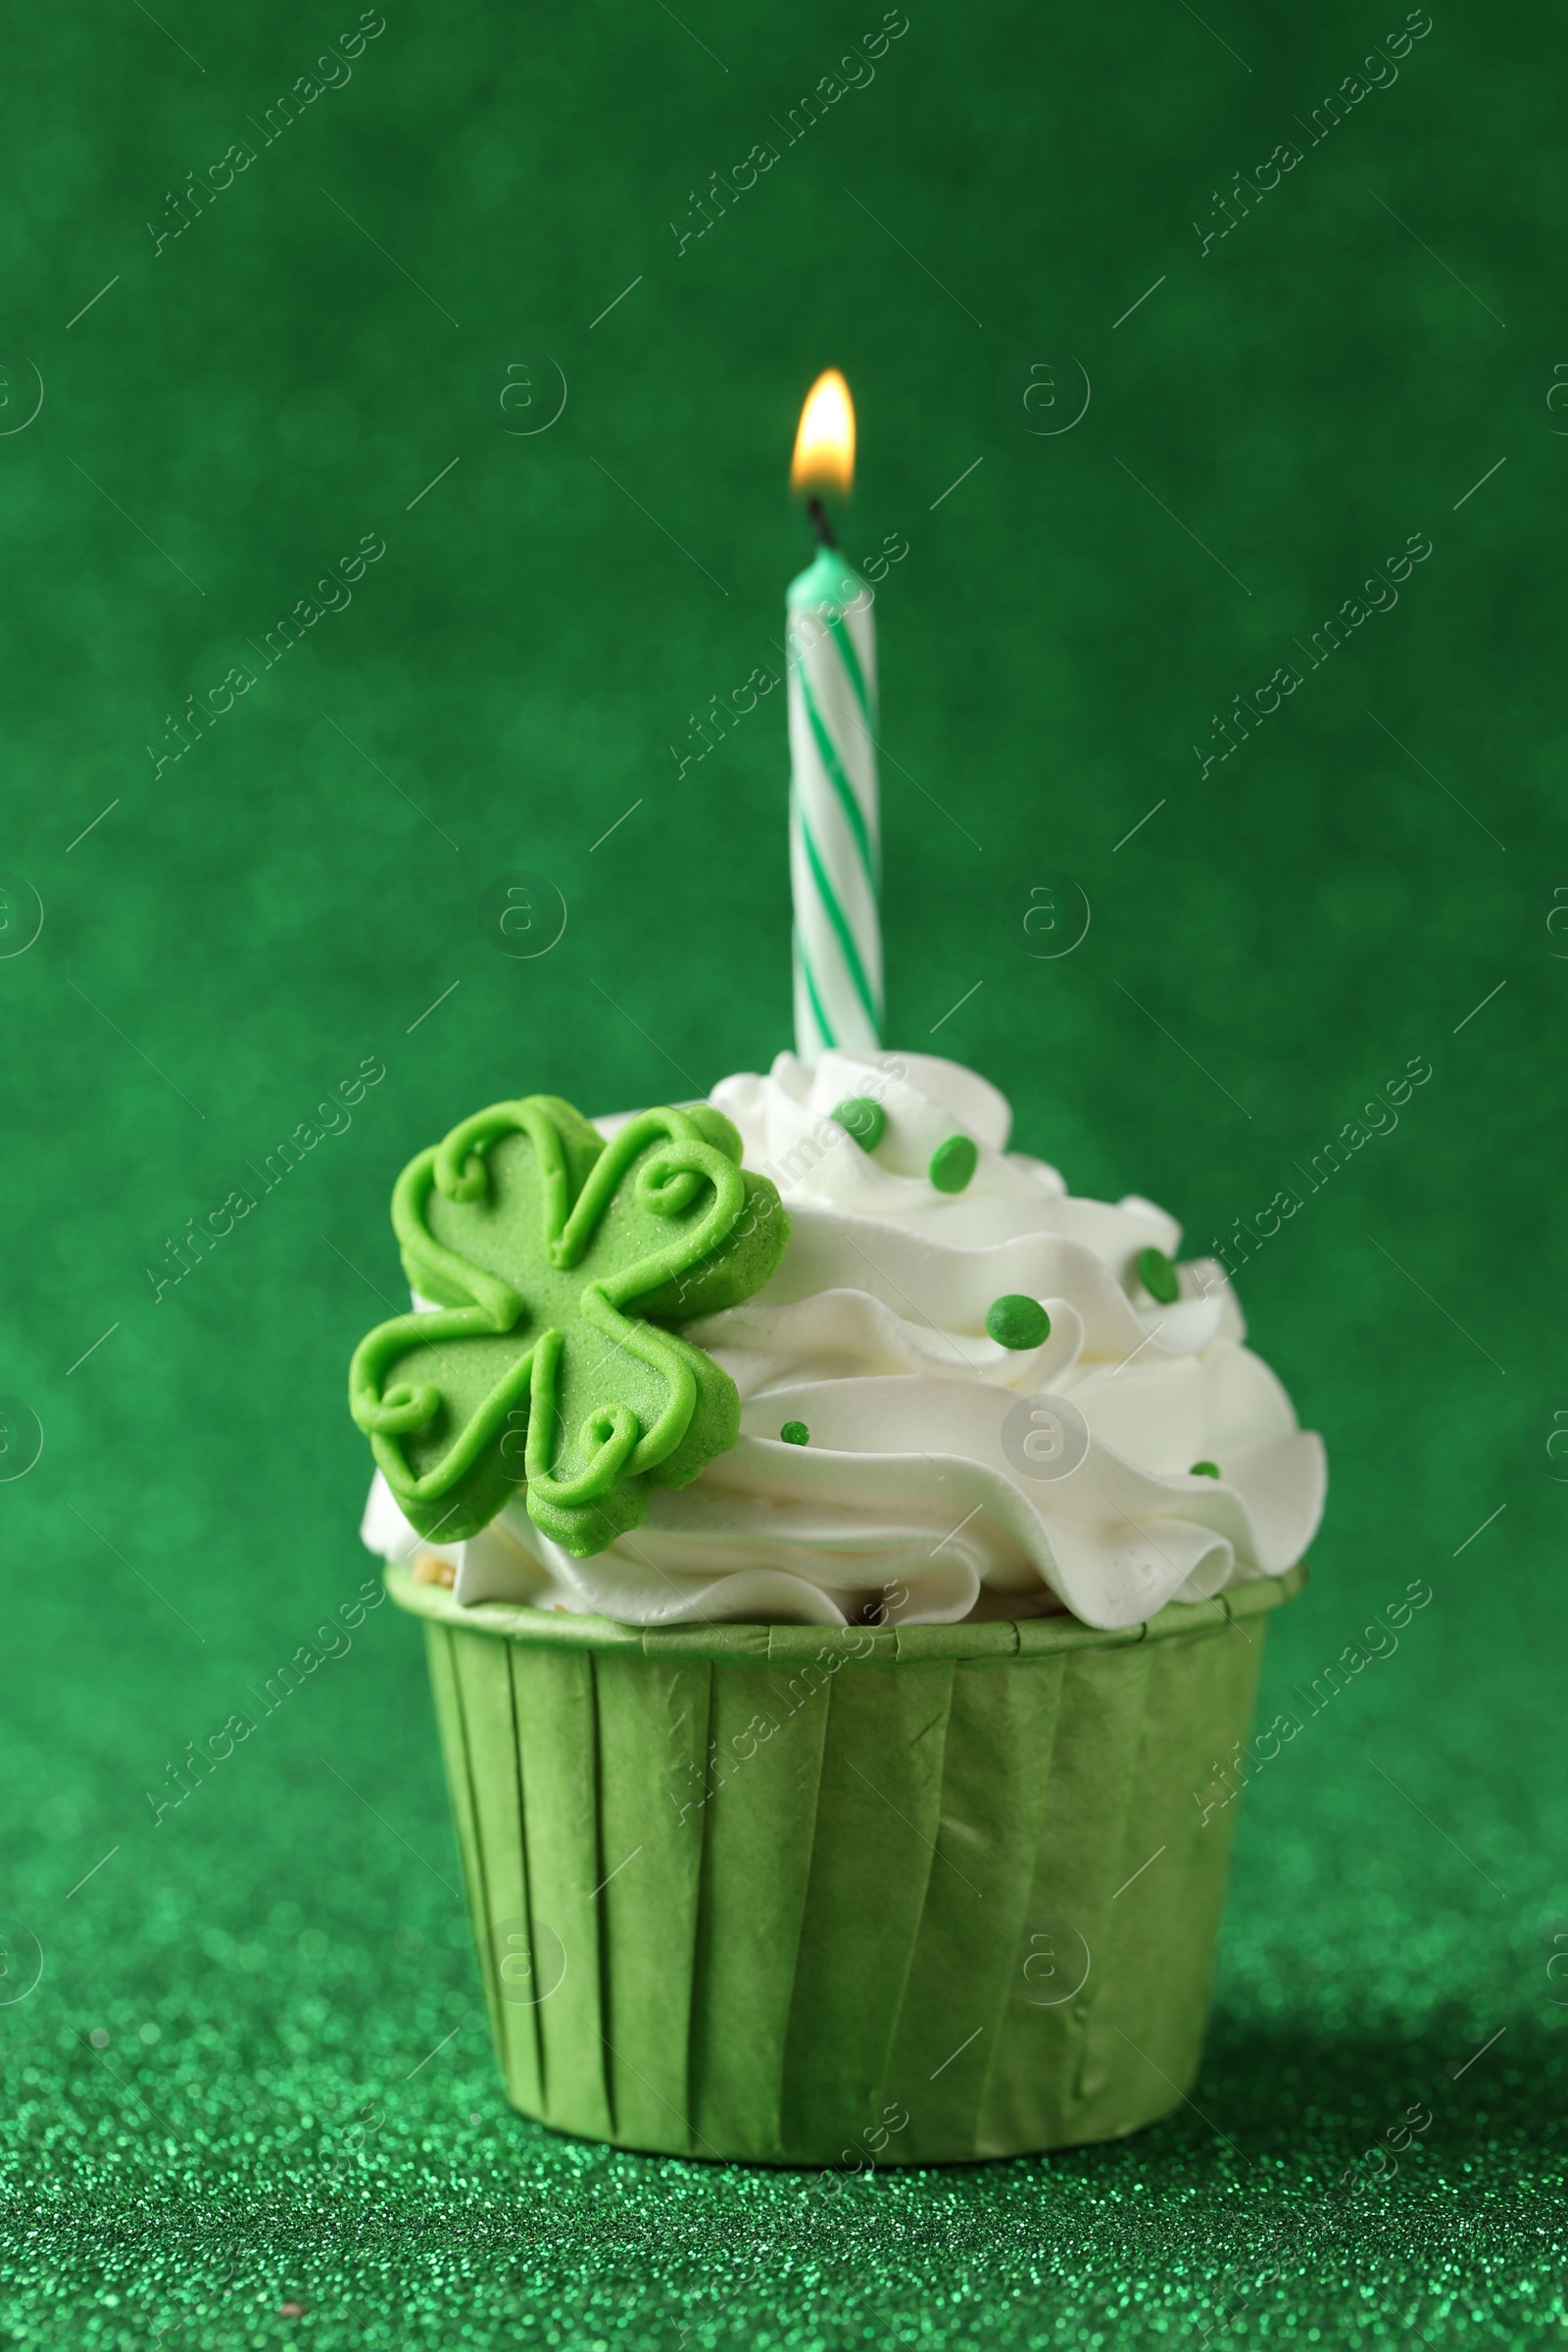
(1159, 1275)
(864, 1120)
(1017, 1322)
(953, 1163)
(1204, 1470)
(795, 1432)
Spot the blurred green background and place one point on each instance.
(222, 2101)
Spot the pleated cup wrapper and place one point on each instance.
(844, 1896)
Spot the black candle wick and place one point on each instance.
(819, 522)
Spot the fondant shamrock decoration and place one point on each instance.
(557, 1261)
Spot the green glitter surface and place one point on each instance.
(296, 2099)
(253, 2073)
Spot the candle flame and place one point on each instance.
(824, 444)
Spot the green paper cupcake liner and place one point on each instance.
(844, 1896)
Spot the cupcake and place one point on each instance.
(839, 1548)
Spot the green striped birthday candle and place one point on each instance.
(835, 830)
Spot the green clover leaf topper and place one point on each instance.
(557, 1260)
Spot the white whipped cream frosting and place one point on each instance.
(919, 1498)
